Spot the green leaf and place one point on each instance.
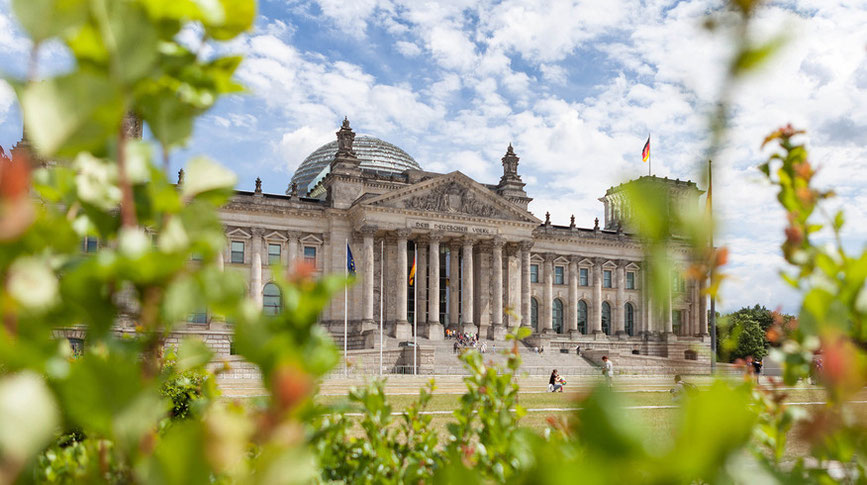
(101, 387)
(191, 354)
(238, 17)
(44, 19)
(69, 114)
(203, 175)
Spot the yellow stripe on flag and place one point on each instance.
(412, 273)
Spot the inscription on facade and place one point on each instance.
(445, 227)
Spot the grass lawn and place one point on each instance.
(657, 422)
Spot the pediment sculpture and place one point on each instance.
(453, 197)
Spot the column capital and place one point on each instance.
(549, 257)
(598, 262)
(293, 235)
(435, 236)
(422, 238)
(257, 231)
(455, 243)
(404, 233)
(498, 242)
(573, 260)
(526, 245)
(469, 241)
(367, 230)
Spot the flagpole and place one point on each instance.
(712, 317)
(381, 291)
(649, 158)
(415, 310)
(346, 308)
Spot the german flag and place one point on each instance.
(645, 152)
(412, 273)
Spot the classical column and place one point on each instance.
(620, 311)
(702, 309)
(572, 313)
(292, 248)
(421, 280)
(467, 287)
(525, 283)
(434, 327)
(667, 316)
(546, 319)
(498, 331)
(256, 266)
(402, 326)
(647, 309)
(482, 289)
(596, 322)
(367, 275)
(454, 284)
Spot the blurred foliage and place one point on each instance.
(190, 392)
(106, 415)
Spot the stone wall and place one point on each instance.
(677, 348)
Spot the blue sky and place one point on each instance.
(574, 85)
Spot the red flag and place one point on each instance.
(645, 152)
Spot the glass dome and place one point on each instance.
(374, 154)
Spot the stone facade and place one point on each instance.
(484, 263)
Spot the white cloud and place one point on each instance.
(408, 49)
(350, 17)
(554, 74)
(7, 98)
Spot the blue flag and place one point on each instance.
(350, 261)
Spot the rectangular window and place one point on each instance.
(310, 255)
(678, 283)
(237, 252)
(273, 254)
(534, 273)
(199, 316)
(90, 244)
(606, 278)
(676, 320)
(583, 277)
(559, 279)
(630, 280)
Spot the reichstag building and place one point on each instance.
(485, 264)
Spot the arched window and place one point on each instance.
(606, 318)
(582, 317)
(630, 320)
(557, 316)
(271, 299)
(534, 314)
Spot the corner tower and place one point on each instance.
(681, 194)
(511, 187)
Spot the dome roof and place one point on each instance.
(374, 154)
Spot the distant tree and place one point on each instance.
(743, 333)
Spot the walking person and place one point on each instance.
(607, 370)
(757, 367)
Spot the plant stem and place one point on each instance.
(127, 204)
